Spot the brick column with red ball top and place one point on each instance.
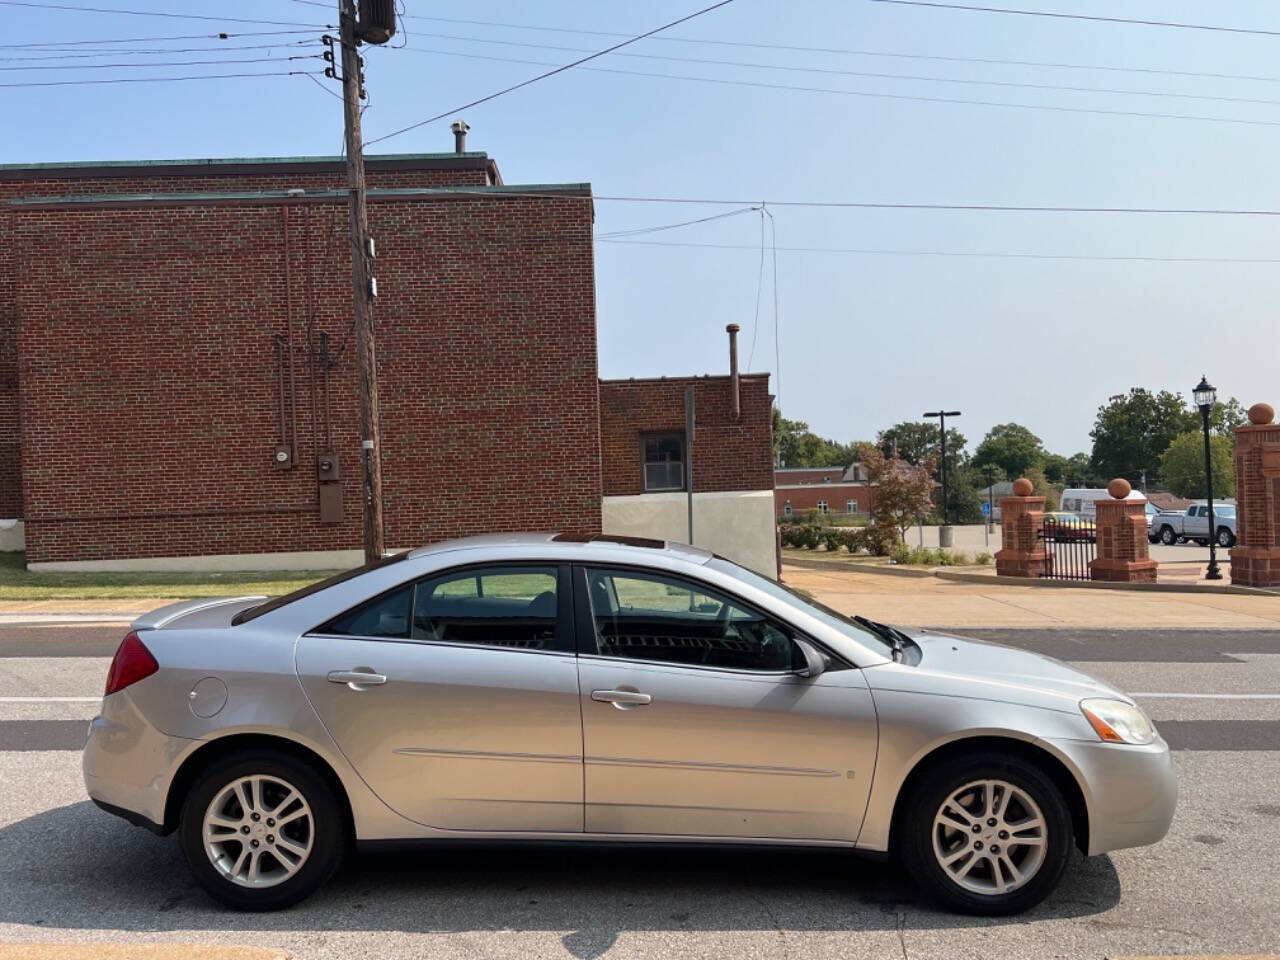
(1124, 554)
(1255, 558)
(1022, 552)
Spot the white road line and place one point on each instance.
(50, 699)
(1208, 696)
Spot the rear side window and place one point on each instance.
(275, 603)
(490, 606)
(384, 616)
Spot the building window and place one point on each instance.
(851, 506)
(822, 507)
(786, 509)
(663, 462)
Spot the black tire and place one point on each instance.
(1226, 538)
(915, 844)
(327, 825)
(1167, 536)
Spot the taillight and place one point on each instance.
(132, 662)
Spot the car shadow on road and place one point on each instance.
(75, 867)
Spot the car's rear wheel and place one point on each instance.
(261, 830)
(1167, 536)
(987, 834)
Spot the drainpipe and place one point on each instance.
(733, 369)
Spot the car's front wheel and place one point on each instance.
(261, 830)
(987, 834)
(1226, 538)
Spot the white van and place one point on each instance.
(1082, 501)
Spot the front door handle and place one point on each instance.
(622, 699)
(357, 679)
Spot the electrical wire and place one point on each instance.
(967, 254)
(320, 84)
(915, 98)
(1078, 16)
(53, 44)
(874, 75)
(125, 51)
(551, 73)
(755, 323)
(777, 350)
(167, 63)
(203, 76)
(672, 226)
(158, 13)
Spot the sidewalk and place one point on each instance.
(932, 602)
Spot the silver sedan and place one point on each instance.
(556, 688)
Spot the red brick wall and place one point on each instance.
(727, 455)
(806, 497)
(808, 475)
(143, 178)
(149, 384)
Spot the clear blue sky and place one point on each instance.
(867, 339)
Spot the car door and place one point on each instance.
(456, 698)
(695, 722)
(1196, 523)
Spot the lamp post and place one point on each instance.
(1204, 395)
(944, 532)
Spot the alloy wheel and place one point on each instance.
(990, 837)
(258, 831)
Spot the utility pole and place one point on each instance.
(363, 287)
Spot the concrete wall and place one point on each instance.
(11, 535)
(735, 524)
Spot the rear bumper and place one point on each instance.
(1131, 792)
(128, 764)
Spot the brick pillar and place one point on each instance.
(1255, 559)
(1123, 550)
(1021, 529)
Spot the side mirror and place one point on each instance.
(815, 662)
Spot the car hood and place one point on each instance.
(1008, 673)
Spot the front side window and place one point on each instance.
(489, 606)
(663, 462)
(655, 617)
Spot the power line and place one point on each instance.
(869, 75)
(986, 61)
(167, 63)
(551, 73)
(916, 98)
(157, 13)
(1079, 16)
(55, 44)
(755, 323)
(966, 254)
(203, 76)
(126, 51)
(673, 226)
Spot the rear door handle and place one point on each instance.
(357, 679)
(622, 699)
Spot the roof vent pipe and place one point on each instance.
(460, 128)
(733, 369)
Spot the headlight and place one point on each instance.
(1118, 722)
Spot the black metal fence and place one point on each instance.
(1069, 544)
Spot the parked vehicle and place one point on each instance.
(1083, 500)
(1179, 526)
(559, 688)
(1061, 527)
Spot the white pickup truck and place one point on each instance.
(1170, 526)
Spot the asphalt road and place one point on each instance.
(70, 873)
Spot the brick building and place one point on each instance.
(829, 490)
(177, 379)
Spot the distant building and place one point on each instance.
(829, 490)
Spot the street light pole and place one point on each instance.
(1205, 395)
(942, 426)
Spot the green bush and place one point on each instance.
(983, 559)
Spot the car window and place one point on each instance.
(665, 619)
(489, 606)
(383, 616)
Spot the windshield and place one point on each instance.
(799, 601)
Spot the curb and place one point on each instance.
(888, 571)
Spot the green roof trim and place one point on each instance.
(233, 161)
(259, 196)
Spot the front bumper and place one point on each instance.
(1131, 792)
(128, 764)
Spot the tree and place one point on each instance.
(1011, 448)
(1225, 417)
(1182, 465)
(903, 491)
(916, 442)
(795, 445)
(1132, 431)
(964, 493)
